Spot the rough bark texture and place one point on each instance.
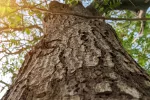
(78, 59)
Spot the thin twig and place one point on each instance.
(91, 17)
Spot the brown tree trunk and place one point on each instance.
(79, 58)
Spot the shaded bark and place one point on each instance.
(78, 59)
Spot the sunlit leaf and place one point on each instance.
(7, 6)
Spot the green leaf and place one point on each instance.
(27, 31)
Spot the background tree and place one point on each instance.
(21, 27)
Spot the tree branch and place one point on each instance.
(89, 17)
(3, 29)
(6, 84)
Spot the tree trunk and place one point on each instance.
(79, 58)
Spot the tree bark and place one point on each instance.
(79, 58)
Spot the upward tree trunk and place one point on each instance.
(79, 58)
